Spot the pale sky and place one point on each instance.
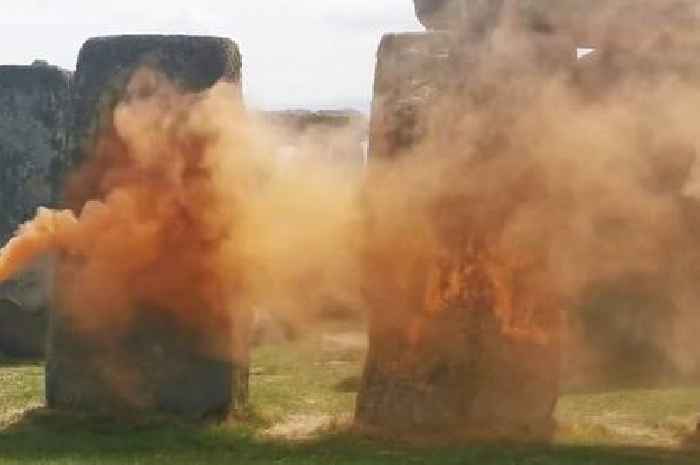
(316, 54)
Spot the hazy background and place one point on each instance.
(316, 54)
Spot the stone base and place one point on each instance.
(154, 365)
(22, 332)
(458, 371)
(24, 313)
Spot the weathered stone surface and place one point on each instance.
(456, 370)
(442, 359)
(22, 331)
(158, 363)
(32, 110)
(33, 100)
(24, 315)
(412, 72)
(105, 65)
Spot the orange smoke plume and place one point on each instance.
(152, 211)
(183, 206)
(515, 181)
(47, 232)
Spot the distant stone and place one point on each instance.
(304, 119)
(33, 102)
(338, 137)
(471, 16)
(434, 14)
(587, 22)
(474, 19)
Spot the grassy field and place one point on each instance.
(302, 401)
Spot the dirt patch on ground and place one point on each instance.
(631, 429)
(306, 426)
(347, 341)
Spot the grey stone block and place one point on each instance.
(33, 101)
(159, 363)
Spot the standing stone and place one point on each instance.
(159, 363)
(32, 111)
(443, 357)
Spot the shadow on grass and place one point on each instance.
(46, 437)
(603, 387)
(349, 385)
(6, 361)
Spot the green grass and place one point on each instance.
(302, 397)
(303, 381)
